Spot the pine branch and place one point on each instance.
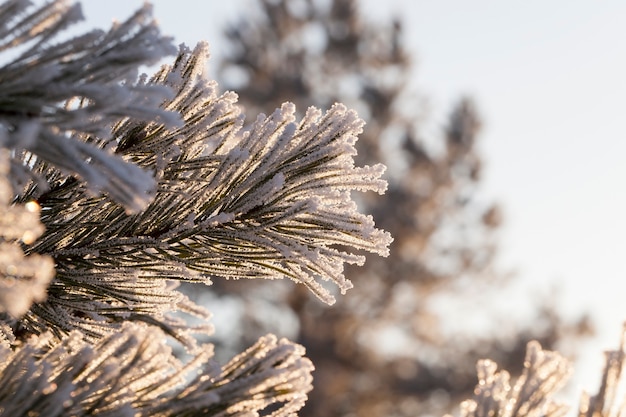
(533, 393)
(59, 100)
(269, 202)
(544, 373)
(270, 373)
(133, 373)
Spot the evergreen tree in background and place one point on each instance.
(384, 347)
(116, 187)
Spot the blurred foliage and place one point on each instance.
(383, 349)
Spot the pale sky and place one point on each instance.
(549, 81)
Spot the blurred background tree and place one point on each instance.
(387, 348)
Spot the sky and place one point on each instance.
(549, 79)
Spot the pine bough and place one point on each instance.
(114, 187)
(532, 394)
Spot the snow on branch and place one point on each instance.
(133, 373)
(59, 98)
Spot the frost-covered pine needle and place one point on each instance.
(270, 201)
(59, 97)
(133, 373)
(545, 372)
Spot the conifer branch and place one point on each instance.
(133, 203)
(272, 201)
(133, 373)
(532, 395)
(545, 372)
